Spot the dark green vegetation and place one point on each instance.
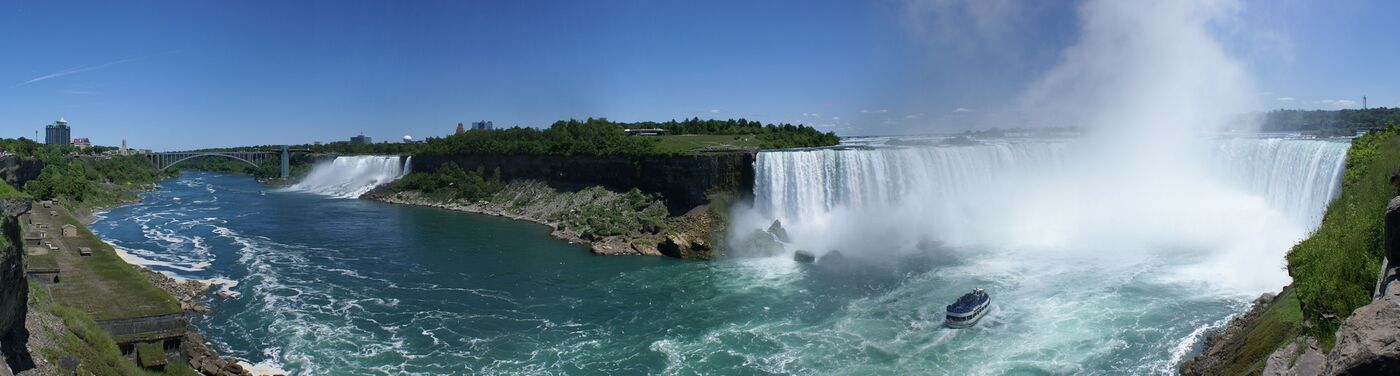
(597, 137)
(633, 212)
(1335, 269)
(1340, 122)
(451, 182)
(84, 178)
(80, 336)
(1279, 324)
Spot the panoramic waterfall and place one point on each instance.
(1256, 197)
(352, 176)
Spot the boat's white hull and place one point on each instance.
(967, 319)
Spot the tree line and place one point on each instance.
(1345, 121)
(599, 136)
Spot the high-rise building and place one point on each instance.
(124, 146)
(482, 125)
(58, 133)
(361, 140)
(460, 129)
(82, 142)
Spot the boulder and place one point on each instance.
(680, 245)
(760, 243)
(1368, 341)
(803, 256)
(778, 232)
(832, 257)
(1301, 357)
(646, 249)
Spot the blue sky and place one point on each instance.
(187, 74)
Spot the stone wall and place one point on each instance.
(682, 181)
(148, 328)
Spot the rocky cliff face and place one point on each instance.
(1368, 342)
(683, 181)
(14, 290)
(15, 171)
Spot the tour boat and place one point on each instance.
(968, 309)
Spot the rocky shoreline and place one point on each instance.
(689, 236)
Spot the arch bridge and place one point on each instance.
(165, 160)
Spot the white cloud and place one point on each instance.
(1285, 99)
(835, 118)
(1338, 103)
(85, 68)
(913, 116)
(962, 109)
(864, 111)
(884, 110)
(811, 114)
(714, 110)
(1266, 93)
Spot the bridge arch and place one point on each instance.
(197, 155)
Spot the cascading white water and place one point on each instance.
(1260, 196)
(352, 176)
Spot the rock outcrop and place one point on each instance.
(1368, 342)
(16, 171)
(14, 291)
(610, 223)
(1303, 356)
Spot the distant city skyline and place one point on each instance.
(179, 75)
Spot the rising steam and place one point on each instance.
(1153, 87)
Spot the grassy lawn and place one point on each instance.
(692, 143)
(102, 285)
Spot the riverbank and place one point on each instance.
(99, 290)
(610, 223)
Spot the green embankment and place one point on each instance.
(1335, 269)
(1281, 323)
(6, 191)
(103, 285)
(79, 336)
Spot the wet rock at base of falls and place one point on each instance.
(684, 246)
(761, 244)
(832, 257)
(803, 256)
(779, 232)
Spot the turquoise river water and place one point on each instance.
(328, 285)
